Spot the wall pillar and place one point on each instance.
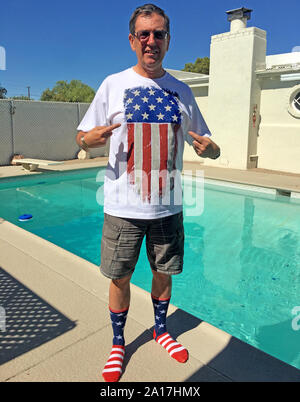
(234, 92)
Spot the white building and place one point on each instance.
(251, 101)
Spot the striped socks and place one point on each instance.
(113, 368)
(160, 334)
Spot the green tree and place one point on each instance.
(201, 66)
(75, 91)
(3, 92)
(20, 97)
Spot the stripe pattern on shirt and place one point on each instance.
(153, 118)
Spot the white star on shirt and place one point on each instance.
(174, 117)
(136, 107)
(136, 92)
(129, 116)
(151, 92)
(119, 337)
(162, 311)
(129, 100)
(152, 107)
(119, 323)
(161, 325)
(145, 116)
(145, 99)
(157, 317)
(159, 100)
(168, 108)
(166, 93)
(160, 116)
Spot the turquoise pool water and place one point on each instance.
(242, 254)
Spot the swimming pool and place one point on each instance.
(242, 254)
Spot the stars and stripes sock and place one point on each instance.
(160, 314)
(160, 334)
(118, 320)
(113, 368)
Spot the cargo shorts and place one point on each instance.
(122, 239)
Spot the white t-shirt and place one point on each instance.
(143, 175)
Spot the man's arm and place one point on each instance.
(204, 146)
(95, 138)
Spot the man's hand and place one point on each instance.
(204, 146)
(98, 136)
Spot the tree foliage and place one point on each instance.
(75, 91)
(3, 92)
(201, 66)
(21, 97)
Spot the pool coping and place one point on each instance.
(258, 178)
(214, 354)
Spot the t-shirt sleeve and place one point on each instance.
(96, 115)
(197, 123)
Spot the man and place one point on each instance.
(148, 115)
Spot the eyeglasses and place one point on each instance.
(144, 35)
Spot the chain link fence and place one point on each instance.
(41, 130)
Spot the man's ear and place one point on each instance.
(131, 41)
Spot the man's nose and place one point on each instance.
(151, 39)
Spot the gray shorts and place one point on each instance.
(122, 239)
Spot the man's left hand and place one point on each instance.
(204, 146)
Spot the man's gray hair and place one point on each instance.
(147, 9)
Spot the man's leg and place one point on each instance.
(166, 255)
(120, 246)
(161, 295)
(119, 300)
(161, 285)
(119, 293)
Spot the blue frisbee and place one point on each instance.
(25, 217)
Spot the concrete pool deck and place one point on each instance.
(58, 326)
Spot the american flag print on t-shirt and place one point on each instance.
(153, 118)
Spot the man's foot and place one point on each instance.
(175, 349)
(113, 368)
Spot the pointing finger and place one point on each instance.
(112, 127)
(196, 137)
(199, 146)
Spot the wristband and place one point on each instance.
(84, 145)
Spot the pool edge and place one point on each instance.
(211, 347)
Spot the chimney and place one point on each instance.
(234, 92)
(238, 18)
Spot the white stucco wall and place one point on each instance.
(233, 92)
(279, 131)
(201, 96)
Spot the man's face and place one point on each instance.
(150, 52)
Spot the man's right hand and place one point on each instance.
(98, 136)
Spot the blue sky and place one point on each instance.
(88, 40)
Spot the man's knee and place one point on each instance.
(160, 277)
(121, 282)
